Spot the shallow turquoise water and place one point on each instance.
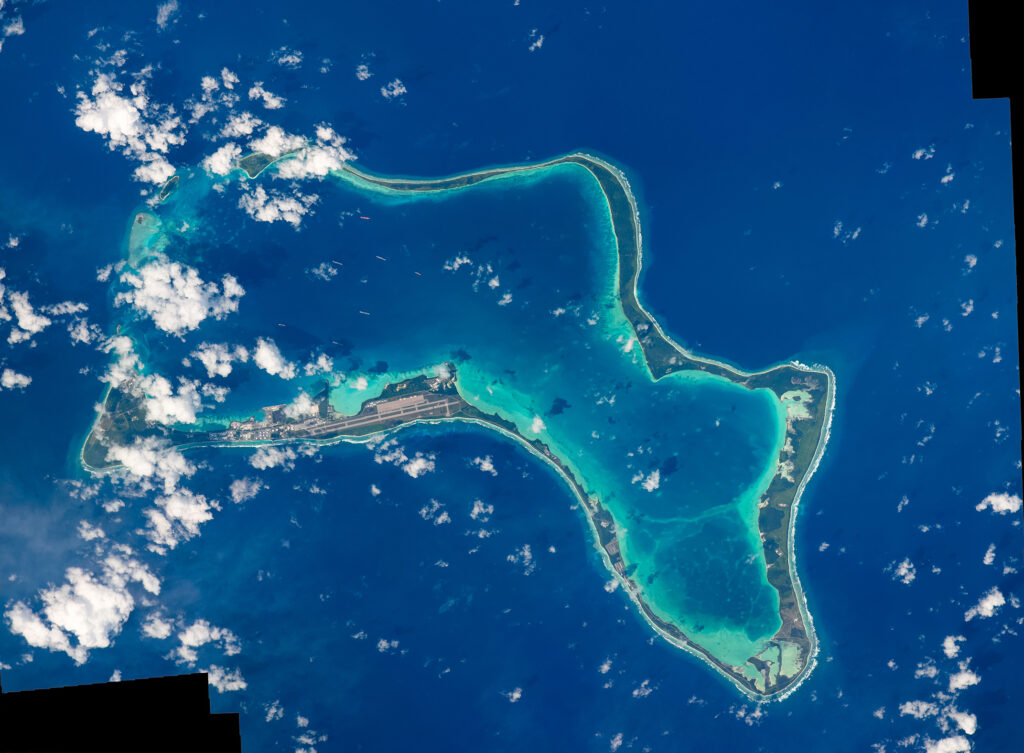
(515, 280)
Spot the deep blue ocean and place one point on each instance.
(793, 166)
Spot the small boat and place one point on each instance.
(363, 217)
(364, 312)
(335, 261)
(380, 257)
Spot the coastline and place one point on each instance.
(653, 341)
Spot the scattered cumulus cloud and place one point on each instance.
(175, 518)
(223, 161)
(416, 466)
(166, 13)
(275, 206)
(485, 464)
(904, 571)
(1000, 502)
(288, 58)
(270, 100)
(268, 357)
(240, 124)
(176, 298)
(965, 678)
(157, 627)
(12, 380)
(244, 489)
(87, 611)
(316, 159)
(130, 121)
(394, 88)
(217, 358)
(200, 633)
(226, 681)
(951, 645)
(273, 457)
(987, 605)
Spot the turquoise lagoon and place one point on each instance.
(513, 279)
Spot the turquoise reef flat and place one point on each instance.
(505, 297)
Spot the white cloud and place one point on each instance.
(323, 271)
(274, 206)
(217, 358)
(394, 88)
(965, 721)
(228, 78)
(84, 613)
(650, 482)
(267, 356)
(152, 457)
(176, 298)
(987, 605)
(157, 627)
(143, 130)
(513, 695)
(485, 464)
(965, 678)
(11, 379)
(13, 28)
(951, 645)
(318, 159)
(990, 555)
(270, 100)
(176, 518)
(81, 331)
(29, 322)
(222, 161)
(272, 457)
(65, 307)
(481, 511)
(300, 407)
(166, 12)
(89, 532)
(274, 711)
(288, 58)
(244, 489)
(537, 426)
(201, 632)
(904, 572)
(166, 405)
(276, 141)
(125, 366)
(323, 364)
(957, 744)
(363, 72)
(918, 709)
(240, 124)
(1000, 502)
(924, 152)
(225, 681)
(419, 464)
